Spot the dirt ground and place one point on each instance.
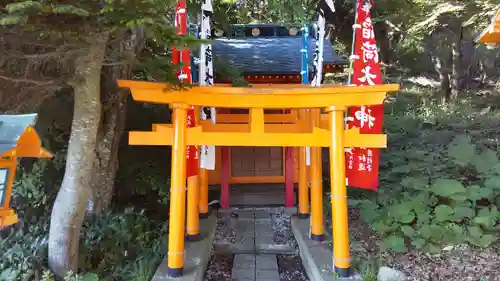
(460, 263)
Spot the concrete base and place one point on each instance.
(196, 257)
(316, 257)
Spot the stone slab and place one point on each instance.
(266, 262)
(243, 267)
(266, 268)
(196, 255)
(241, 260)
(246, 247)
(275, 249)
(262, 214)
(316, 257)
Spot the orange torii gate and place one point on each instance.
(332, 134)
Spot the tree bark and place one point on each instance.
(382, 35)
(455, 30)
(68, 212)
(439, 54)
(114, 108)
(456, 71)
(114, 103)
(467, 59)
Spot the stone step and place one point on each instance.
(248, 267)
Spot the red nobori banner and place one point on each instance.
(184, 75)
(362, 163)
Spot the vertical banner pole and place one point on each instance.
(193, 219)
(316, 229)
(351, 58)
(206, 75)
(303, 154)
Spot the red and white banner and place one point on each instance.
(362, 163)
(207, 152)
(184, 75)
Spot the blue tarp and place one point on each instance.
(270, 55)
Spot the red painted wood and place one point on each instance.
(289, 180)
(224, 179)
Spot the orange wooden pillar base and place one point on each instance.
(341, 255)
(193, 201)
(203, 183)
(176, 223)
(224, 185)
(289, 180)
(303, 185)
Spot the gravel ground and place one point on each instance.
(219, 268)
(225, 232)
(283, 234)
(460, 263)
(291, 269)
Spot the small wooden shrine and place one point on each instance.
(264, 54)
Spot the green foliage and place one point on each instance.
(30, 184)
(129, 241)
(126, 245)
(438, 186)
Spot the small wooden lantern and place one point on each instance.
(18, 139)
(491, 35)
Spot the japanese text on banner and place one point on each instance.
(362, 163)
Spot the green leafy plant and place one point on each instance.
(444, 196)
(30, 185)
(127, 240)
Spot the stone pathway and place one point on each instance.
(254, 230)
(256, 238)
(248, 267)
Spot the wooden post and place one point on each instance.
(303, 185)
(317, 231)
(203, 184)
(224, 182)
(303, 171)
(289, 180)
(193, 196)
(340, 228)
(193, 219)
(177, 194)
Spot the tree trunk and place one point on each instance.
(455, 30)
(438, 56)
(382, 35)
(68, 212)
(114, 108)
(456, 71)
(114, 103)
(467, 59)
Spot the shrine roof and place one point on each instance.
(491, 34)
(11, 129)
(270, 55)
